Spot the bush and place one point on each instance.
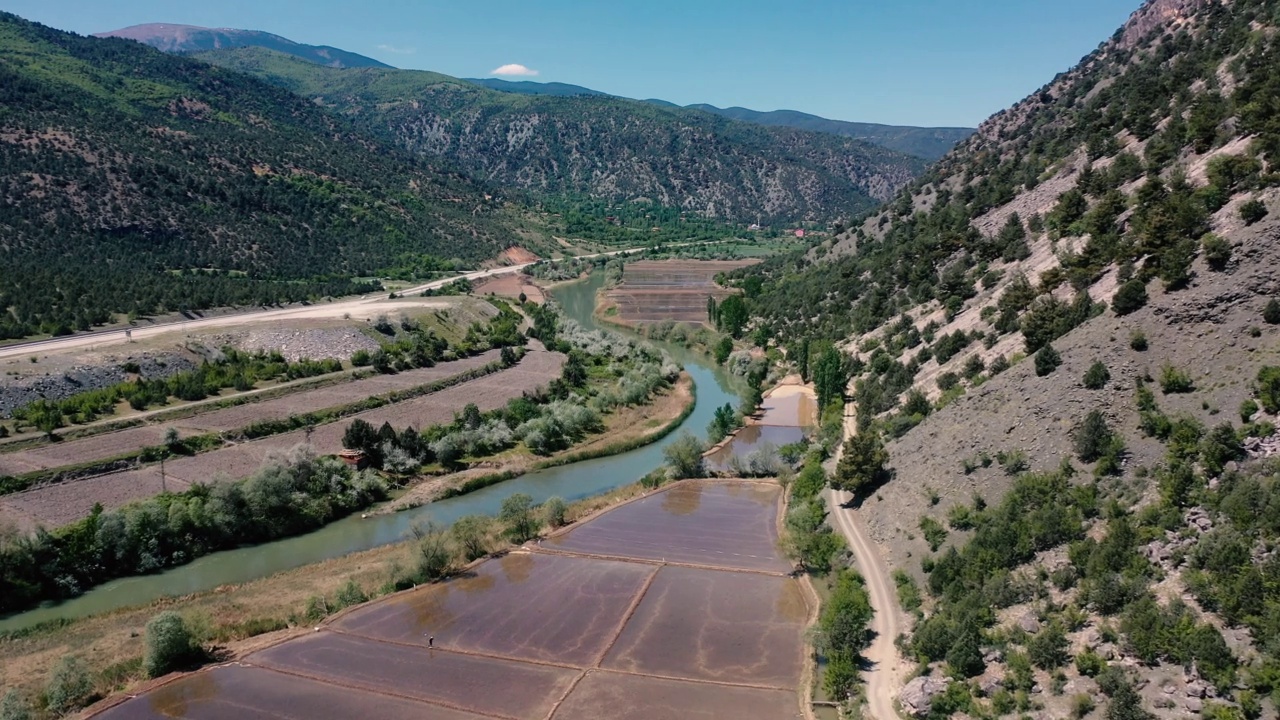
(1047, 360)
(934, 533)
(1173, 380)
(471, 532)
(1248, 409)
(1253, 211)
(1130, 297)
(517, 515)
(169, 645)
(553, 511)
(684, 456)
(69, 686)
(1271, 313)
(1217, 252)
(1138, 341)
(350, 594)
(13, 707)
(1097, 376)
(1093, 438)
(1048, 649)
(1090, 663)
(1269, 388)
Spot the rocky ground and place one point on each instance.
(57, 382)
(294, 343)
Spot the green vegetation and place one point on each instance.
(301, 205)
(169, 644)
(842, 631)
(1097, 376)
(291, 494)
(862, 467)
(1047, 360)
(809, 538)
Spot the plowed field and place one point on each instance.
(671, 289)
(62, 503)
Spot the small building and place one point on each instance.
(354, 458)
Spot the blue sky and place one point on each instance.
(915, 62)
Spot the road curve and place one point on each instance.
(884, 678)
(330, 309)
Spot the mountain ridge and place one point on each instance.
(601, 146)
(176, 38)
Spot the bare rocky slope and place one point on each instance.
(1123, 216)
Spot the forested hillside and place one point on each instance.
(132, 181)
(1063, 354)
(606, 147)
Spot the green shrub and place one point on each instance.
(1253, 211)
(1047, 360)
(1173, 380)
(1048, 648)
(13, 707)
(169, 644)
(908, 591)
(517, 515)
(1093, 437)
(1269, 388)
(553, 511)
(933, 531)
(1130, 297)
(69, 686)
(1090, 663)
(1271, 313)
(1138, 341)
(1097, 376)
(1217, 252)
(350, 594)
(1248, 409)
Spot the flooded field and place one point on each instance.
(593, 623)
(654, 290)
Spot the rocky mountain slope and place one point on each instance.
(192, 39)
(599, 146)
(923, 142)
(1066, 337)
(132, 181)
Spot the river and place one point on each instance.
(352, 534)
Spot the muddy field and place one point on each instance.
(538, 634)
(677, 290)
(62, 503)
(579, 605)
(725, 525)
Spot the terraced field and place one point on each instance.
(583, 625)
(61, 503)
(655, 290)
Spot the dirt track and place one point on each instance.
(884, 679)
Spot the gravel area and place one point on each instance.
(299, 343)
(18, 391)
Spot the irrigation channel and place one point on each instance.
(572, 482)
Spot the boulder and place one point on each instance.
(1029, 623)
(918, 695)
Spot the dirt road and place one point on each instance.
(358, 307)
(884, 679)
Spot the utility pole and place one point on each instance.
(163, 487)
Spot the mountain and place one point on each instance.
(928, 143)
(192, 39)
(1063, 337)
(133, 181)
(600, 146)
(528, 87)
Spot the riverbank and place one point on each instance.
(626, 429)
(790, 403)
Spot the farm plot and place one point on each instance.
(483, 685)
(61, 503)
(234, 692)
(632, 697)
(717, 524)
(753, 437)
(526, 606)
(671, 289)
(98, 447)
(713, 625)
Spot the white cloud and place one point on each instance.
(514, 69)
(396, 50)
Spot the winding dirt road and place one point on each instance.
(887, 668)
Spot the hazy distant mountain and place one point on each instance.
(928, 143)
(192, 39)
(526, 87)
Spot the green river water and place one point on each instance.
(572, 482)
